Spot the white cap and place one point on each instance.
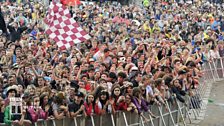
(134, 68)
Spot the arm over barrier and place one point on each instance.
(166, 115)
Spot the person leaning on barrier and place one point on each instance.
(10, 119)
(117, 99)
(77, 107)
(104, 103)
(91, 105)
(59, 107)
(159, 90)
(36, 111)
(130, 106)
(45, 104)
(140, 103)
(177, 89)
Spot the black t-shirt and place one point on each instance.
(74, 107)
(1, 117)
(135, 83)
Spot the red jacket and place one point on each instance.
(90, 109)
(119, 106)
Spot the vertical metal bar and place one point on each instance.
(200, 99)
(75, 121)
(63, 121)
(215, 69)
(187, 111)
(151, 120)
(194, 102)
(54, 124)
(191, 105)
(93, 124)
(101, 120)
(195, 105)
(83, 122)
(161, 114)
(125, 119)
(211, 74)
(180, 112)
(142, 121)
(112, 119)
(222, 67)
(168, 107)
(211, 71)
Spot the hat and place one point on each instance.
(134, 68)
(11, 89)
(91, 60)
(128, 84)
(101, 79)
(80, 94)
(97, 70)
(74, 84)
(120, 54)
(122, 60)
(47, 78)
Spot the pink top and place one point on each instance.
(40, 114)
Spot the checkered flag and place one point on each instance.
(62, 28)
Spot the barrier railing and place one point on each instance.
(167, 115)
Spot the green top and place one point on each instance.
(7, 116)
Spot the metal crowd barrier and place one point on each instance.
(167, 115)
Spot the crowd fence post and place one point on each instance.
(214, 61)
(75, 121)
(170, 113)
(194, 105)
(222, 67)
(92, 120)
(187, 111)
(142, 121)
(161, 115)
(211, 71)
(125, 119)
(151, 120)
(191, 107)
(180, 112)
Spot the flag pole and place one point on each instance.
(76, 9)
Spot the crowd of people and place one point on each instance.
(138, 56)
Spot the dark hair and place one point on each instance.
(112, 91)
(97, 91)
(104, 92)
(122, 75)
(158, 81)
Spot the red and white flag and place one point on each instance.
(62, 28)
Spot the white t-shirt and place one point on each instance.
(149, 90)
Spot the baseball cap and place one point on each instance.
(80, 94)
